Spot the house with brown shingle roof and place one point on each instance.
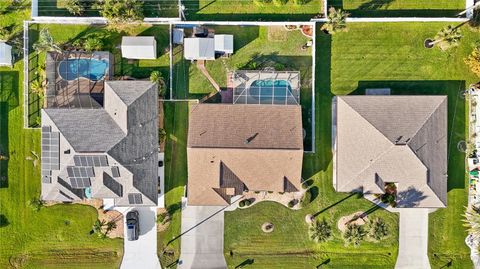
(392, 139)
(236, 148)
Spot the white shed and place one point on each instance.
(224, 44)
(139, 47)
(5, 54)
(199, 48)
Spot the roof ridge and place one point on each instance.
(426, 120)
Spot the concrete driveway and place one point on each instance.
(141, 253)
(202, 237)
(413, 239)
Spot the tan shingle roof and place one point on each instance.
(216, 137)
(400, 139)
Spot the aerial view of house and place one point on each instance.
(240, 134)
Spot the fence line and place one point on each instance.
(399, 19)
(314, 55)
(26, 74)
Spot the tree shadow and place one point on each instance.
(3, 221)
(359, 195)
(161, 34)
(410, 197)
(245, 263)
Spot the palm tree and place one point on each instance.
(354, 234)
(156, 77)
(472, 221)
(111, 225)
(45, 42)
(378, 229)
(37, 88)
(98, 227)
(446, 38)
(320, 231)
(337, 21)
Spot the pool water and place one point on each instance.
(269, 87)
(92, 69)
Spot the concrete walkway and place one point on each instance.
(413, 239)
(141, 253)
(202, 237)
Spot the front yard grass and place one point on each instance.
(56, 236)
(224, 10)
(400, 8)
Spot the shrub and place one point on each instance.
(279, 2)
(120, 11)
(320, 231)
(378, 229)
(74, 7)
(300, 2)
(244, 203)
(306, 198)
(354, 234)
(93, 43)
(36, 204)
(292, 203)
(473, 61)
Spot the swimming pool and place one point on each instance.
(92, 69)
(270, 87)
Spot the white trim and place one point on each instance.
(400, 19)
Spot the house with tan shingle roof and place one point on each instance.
(236, 148)
(392, 139)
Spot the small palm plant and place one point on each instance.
(110, 226)
(74, 7)
(446, 38)
(337, 21)
(378, 229)
(36, 204)
(354, 234)
(472, 221)
(98, 228)
(320, 231)
(45, 42)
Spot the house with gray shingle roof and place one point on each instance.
(108, 152)
(392, 139)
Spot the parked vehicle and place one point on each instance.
(133, 227)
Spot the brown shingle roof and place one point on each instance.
(400, 139)
(216, 139)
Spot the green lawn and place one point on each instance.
(222, 10)
(152, 8)
(57, 236)
(64, 34)
(400, 8)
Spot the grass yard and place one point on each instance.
(258, 48)
(64, 34)
(400, 8)
(393, 56)
(224, 10)
(151, 9)
(57, 236)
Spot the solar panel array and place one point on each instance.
(112, 184)
(80, 182)
(135, 198)
(50, 153)
(90, 160)
(80, 176)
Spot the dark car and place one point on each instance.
(133, 227)
(160, 163)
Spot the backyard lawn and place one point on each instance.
(152, 9)
(400, 8)
(63, 34)
(224, 10)
(57, 236)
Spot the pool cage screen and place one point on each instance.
(266, 87)
(75, 87)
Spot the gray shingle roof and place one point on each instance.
(401, 139)
(128, 91)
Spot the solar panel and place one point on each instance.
(135, 198)
(112, 184)
(74, 171)
(90, 160)
(115, 171)
(80, 182)
(50, 150)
